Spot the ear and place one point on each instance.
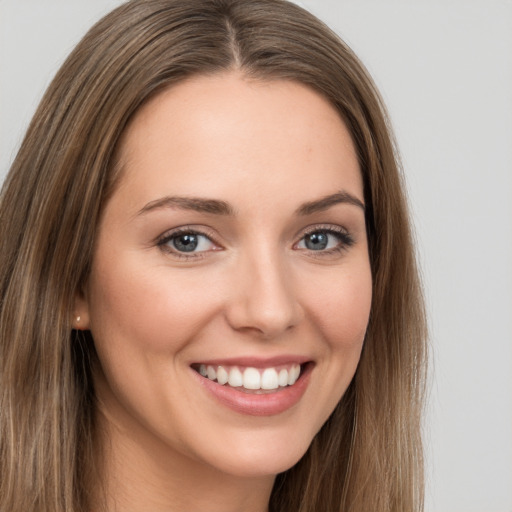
(80, 320)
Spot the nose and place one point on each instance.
(263, 301)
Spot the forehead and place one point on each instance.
(214, 135)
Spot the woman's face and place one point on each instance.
(232, 254)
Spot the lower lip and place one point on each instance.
(268, 404)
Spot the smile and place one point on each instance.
(250, 378)
(255, 388)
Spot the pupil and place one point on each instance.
(186, 243)
(316, 241)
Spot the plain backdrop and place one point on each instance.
(444, 68)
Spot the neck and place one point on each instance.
(140, 473)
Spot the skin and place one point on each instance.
(255, 289)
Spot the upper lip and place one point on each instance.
(255, 361)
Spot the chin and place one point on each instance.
(259, 455)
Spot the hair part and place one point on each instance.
(368, 455)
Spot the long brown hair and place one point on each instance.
(368, 456)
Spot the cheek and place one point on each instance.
(338, 303)
(341, 306)
(146, 309)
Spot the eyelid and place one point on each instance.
(346, 238)
(334, 228)
(168, 235)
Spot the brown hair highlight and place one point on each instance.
(368, 456)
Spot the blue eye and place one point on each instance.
(326, 240)
(186, 242)
(316, 241)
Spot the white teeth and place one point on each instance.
(283, 377)
(211, 373)
(222, 375)
(235, 378)
(252, 378)
(293, 374)
(269, 379)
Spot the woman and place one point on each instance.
(209, 293)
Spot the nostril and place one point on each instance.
(261, 320)
(264, 303)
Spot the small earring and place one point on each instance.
(77, 319)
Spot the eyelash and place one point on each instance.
(345, 241)
(168, 237)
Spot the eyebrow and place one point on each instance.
(218, 207)
(326, 202)
(190, 203)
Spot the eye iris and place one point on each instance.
(186, 243)
(316, 241)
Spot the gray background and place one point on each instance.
(445, 71)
